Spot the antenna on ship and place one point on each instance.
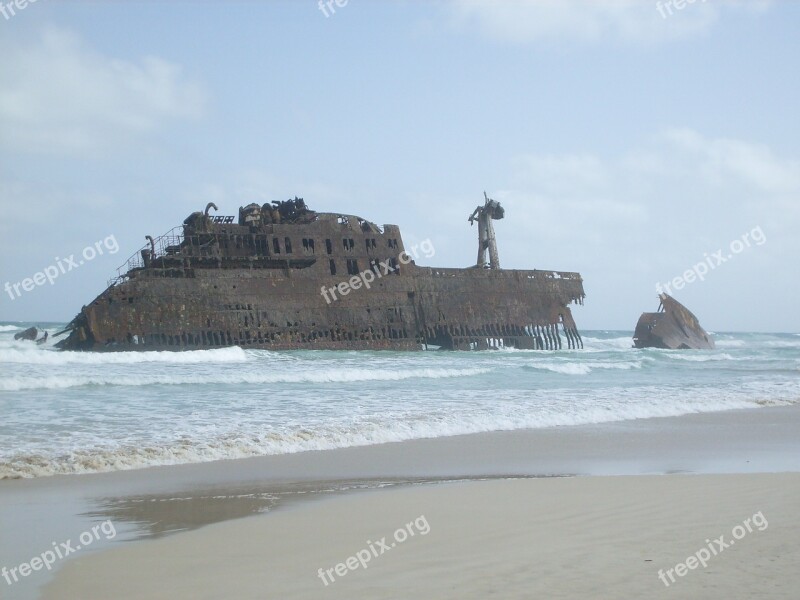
(491, 209)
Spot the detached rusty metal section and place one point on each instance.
(673, 327)
(258, 282)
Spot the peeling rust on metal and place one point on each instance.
(255, 281)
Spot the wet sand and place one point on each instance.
(587, 537)
(150, 503)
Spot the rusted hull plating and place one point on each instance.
(259, 286)
(674, 327)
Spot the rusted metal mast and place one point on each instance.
(491, 209)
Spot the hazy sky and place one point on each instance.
(626, 145)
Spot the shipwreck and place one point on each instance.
(672, 327)
(282, 276)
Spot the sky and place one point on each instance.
(636, 142)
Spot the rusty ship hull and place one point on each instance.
(275, 280)
(672, 327)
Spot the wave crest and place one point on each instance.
(583, 367)
(36, 356)
(703, 357)
(234, 377)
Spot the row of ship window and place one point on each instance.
(348, 244)
(353, 268)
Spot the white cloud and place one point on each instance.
(647, 21)
(43, 204)
(628, 222)
(681, 192)
(753, 165)
(58, 95)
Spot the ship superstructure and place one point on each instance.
(282, 276)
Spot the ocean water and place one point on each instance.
(66, 413)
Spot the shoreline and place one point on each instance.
(170, 501)
(738, 422)
(610, 537)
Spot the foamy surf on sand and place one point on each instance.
(85, 412)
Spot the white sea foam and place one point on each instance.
(248, 441)
(8, 328)
(590, 344)
(730, 343)
(34, 355)
(564, 368)
(583, 367)
(593, 344)
(783, 344)
(262, 375)
(703, 357)
(72, 412)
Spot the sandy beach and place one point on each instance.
(567, 512)
(349, 299)
(598, 537)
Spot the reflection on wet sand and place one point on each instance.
(156, 515)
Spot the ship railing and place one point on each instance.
(555, 275)
(164, 245)
(535, 274)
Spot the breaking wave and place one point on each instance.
(703, 357)
(36, 356)
(338, 375)
(729, 343)
(74, 412)
(593, 344)
(783, 344)
(583, 367)
(8, 328)
(249, 441)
